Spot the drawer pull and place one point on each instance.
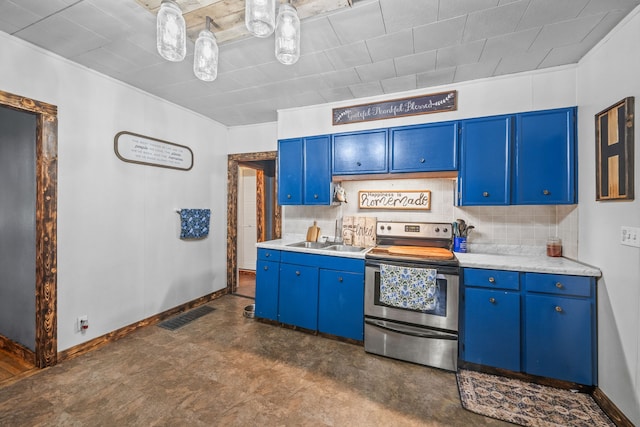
(266, 268)
(288, 196)
(297, 273)
(492, 280)
(340, 279)
(315, 196)
(485, 194)
(359, 164)
(546, 192)
(422, 160)
(558, 309)
(492, 300)
(267, 255)
(559, 285)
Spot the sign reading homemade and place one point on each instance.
(425, 104)
(134, 148)
(409, 200)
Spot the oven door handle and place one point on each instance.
(411, 330)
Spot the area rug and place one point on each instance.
(527, 404)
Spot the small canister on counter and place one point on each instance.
(554, 247)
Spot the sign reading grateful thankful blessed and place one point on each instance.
(425, 104)
(410, 199)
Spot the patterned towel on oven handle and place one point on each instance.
(410, 288)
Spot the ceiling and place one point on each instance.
(373, 47)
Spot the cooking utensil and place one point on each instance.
(313, 232)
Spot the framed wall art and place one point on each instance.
(614, 151)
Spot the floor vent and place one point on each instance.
(185, 318)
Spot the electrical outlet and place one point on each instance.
(82, 323)
(630, 236)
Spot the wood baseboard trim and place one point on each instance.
(103, 340)
(609, 408)
(17, 350)
(251, 273)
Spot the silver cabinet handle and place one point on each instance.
(340, 279)
(288, 196)
(315, 196)
(546, 192)
(492, 300)
(266, 268)
(422, 160)
(559, 285)
(558, 309)
(359, 164)
(485, 194)
(297, 273)
(492, 280)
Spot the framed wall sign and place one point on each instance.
(407, 200)
(134, 148)
(424, 104)
(614, 151)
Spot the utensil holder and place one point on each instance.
(460, 244)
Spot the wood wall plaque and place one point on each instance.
(134, 148)
(407, 199)
(424, 104)
(614, 151)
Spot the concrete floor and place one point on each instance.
(224, 369)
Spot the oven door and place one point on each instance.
(443, 314)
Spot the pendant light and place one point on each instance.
(205, 59)
(260, 17)
(171, 36)
(287, 34)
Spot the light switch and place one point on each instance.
(630, 236)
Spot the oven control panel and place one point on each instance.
(423, 230)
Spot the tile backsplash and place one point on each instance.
(502, 225)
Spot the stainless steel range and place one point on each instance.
(411, 294)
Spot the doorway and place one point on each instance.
(267, 212)
(45, 146)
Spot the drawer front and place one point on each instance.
(559, 284)
(268, 255)
(494, 279)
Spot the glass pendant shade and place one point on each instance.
(171, 37)
(260, 17)
(287, 35)
(205, 59)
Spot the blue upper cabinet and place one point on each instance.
(423, 148)
(304, 171)
(317, 170)
(290, 165)
(360, 152)
(545, 158)
(485, 161)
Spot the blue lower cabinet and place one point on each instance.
(492, 328)
(340, 305)
(298, 296)
(267, 279)
(558, 342)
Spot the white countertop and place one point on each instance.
(504, 258)
(281, 245)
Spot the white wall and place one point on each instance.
(608, 74)
(253, 139)
(119, 256)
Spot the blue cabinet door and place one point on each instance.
(545, 153)
(424, 148)
(317, 170)
(492, 328)
(290, 171)
(558, 338)
(267, 278)
(341, 302)
(485, 161)
(298, 296)
(360, 152)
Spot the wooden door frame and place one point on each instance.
(46, 228)
(233, 163)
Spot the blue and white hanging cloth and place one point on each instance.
(194, 223)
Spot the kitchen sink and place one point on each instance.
(345, 248)
(310, 245)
